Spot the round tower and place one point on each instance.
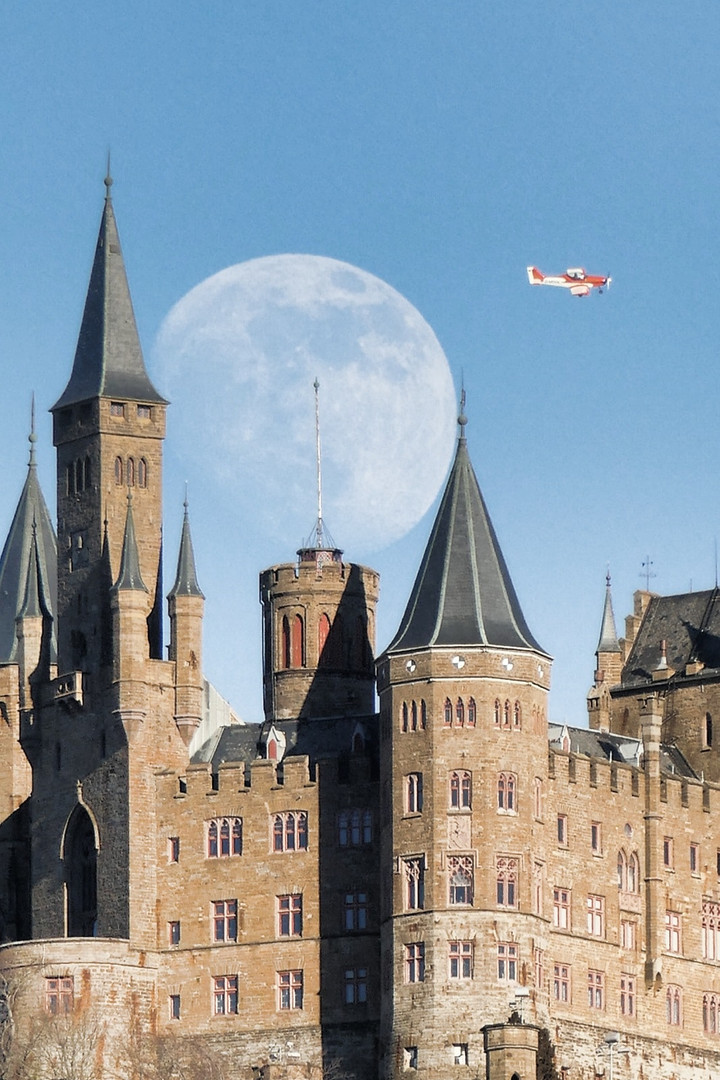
(318, 636)
(463, 689)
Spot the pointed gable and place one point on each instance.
(130, 577)
(608, 641)
(108, 359)
(463, 594)
(186, 582)
(17, 555)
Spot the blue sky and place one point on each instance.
(442, 147)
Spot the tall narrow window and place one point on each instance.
(507, 873)
(711, 1014)
(414, 793)
(627, 995)
(423, 714)
(460, 959)
(460, 713)
(118, 470)
(225, 995)
(298, 641)
(596, 990)
(323, 633)
(448, 712)
(285, 644)
(507, 960)
(673, 1005)
(404, 717)
(131, 472)
(708, 732)
(142, 473)
(506, 714)
(79, 475)
(506, 792)
(460, 790)
(70, 478)
(413, 716)
(414, 872)
(673, 941)
(86, 472)
(517, 715)
(81, 860)
(460, 878)
(290, 989)
(415, 962)
(471, 713)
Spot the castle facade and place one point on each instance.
(447, 887)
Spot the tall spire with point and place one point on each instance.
(130, 577)
(108, 359)
(186, 582)
(608, 641)
(463, 594)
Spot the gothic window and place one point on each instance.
(413, 793)
(506, 888)
(498, 713)
(628, 869)
(448, 712)
(460, 879)
(460, 713)
(224, 924)
(289, 831)
(290, 990)
(404, 722)
(711, 1014)
(285, 645)
(290, 915)
(131, 472)
(298, 642)
(86, 473)
(472, 713)
(517, 715)
(506, 714)
(224, 837)
(70, 478)
(323, 632)
(710, 934)
(81, 875)
(79, 475)
(423, 714)
(673, 1005)
(225, 995)
(142, 471)
(460, 790)
(414, 874)
(506, 792)
(118, 470)
(413, 716)
(708, 731)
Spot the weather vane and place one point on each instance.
(647, 572)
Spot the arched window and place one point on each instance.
(711, 1013)
(708, 732)
(460, 876)
(81, 875)
(70, 478)
(472, 712)
(142, 473)
(423, 714)
(298, 642)
(79, 475)
(460, 712)
(404, 716)
(118, 470)
(323, 632)
(413, 716)
(285, 644)
(673, 1005)
(517, 716)
(460, 790)
(498, 713)
(506, 714)
(633, 873)
(448, 712)
(335, 647)
(506, 792)
(506, 883)
(131, 472)
(621, 870)
(86, 471)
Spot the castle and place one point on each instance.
(451, 887)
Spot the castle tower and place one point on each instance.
(463, 688)
(186, 606)
(608, 667)
(108, 424)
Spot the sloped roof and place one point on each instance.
(130, 578)
(16, 557)
(186, 582)
(316, 738)
(688, 623)
(108, 358)
(607, 746)
(463, 594)
(608, 641)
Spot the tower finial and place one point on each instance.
(185, 504)
(108, 181)
(32, 437)
(462, 418)
(319, 526)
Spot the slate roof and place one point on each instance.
(130, 577)
(318, 739)
(608, 641)
(689, 624)
(606, 746)
(108, 358)
(463, 594)
(16, 557)
(186, 582)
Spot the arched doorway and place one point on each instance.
(81, 875)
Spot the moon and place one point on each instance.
(238, 356)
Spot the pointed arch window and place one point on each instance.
(142, 471)
(70, 478)
(79, 475)
(460, 712)
(323, 632)
(404, 716)
(506, 789)
(506, 714)
(86, 472)
(460, 874)
(517, 715)
(81, 875)
(423, 714)
(131, 472)
(498, 712)
(285, 643)
(413, 716)
(448, 712)
(472, 712)
(119, 470)
(460, 790)
(298, 642)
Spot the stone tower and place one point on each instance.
(463, 690)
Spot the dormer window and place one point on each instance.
(117, 408)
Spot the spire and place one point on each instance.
(34, 603)
(31, 528)
(130, 577)
(463, 594)
(186, 583)
(608, 634)
(108, 359)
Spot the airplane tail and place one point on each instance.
(534, 275)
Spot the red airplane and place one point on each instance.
(575, 279)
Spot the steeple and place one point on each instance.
(130, 578)
(108, 358)
(463, 594)
(186, 583)
(608, 642)
(30, 515)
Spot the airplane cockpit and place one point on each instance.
(576, 273)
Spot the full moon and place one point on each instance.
(238, 356)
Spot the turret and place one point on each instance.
(130, 606)
(186, 604)
(608, 667)
(463, 688)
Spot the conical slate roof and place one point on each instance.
(608, 641)
(186, 582)
(17, 554)
(463, 594)
(108, 359)
(130, 577)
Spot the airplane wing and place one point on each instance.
(580, 290)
